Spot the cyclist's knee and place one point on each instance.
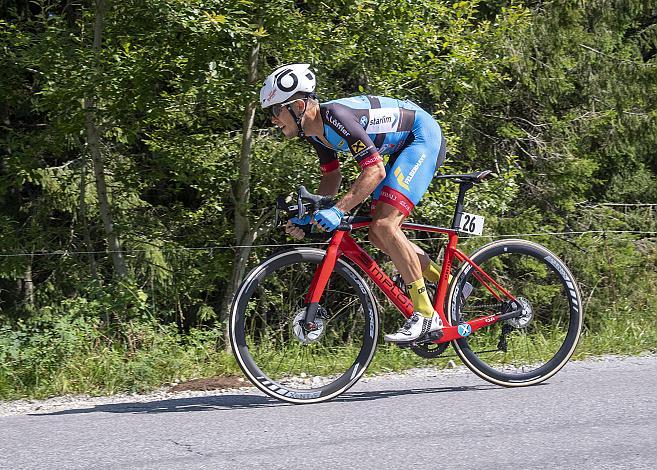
(374, 238)
(382, 230)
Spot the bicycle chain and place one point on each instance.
(495, 307)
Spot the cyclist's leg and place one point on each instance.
(386, 234)
(428, 267)
(405, 184)
(376, 194)
(411, 174)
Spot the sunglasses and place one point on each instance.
(277, 108)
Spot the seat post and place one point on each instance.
(458, 210)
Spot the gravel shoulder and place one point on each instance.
(72, 402)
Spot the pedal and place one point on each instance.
(428, 338)
(435, 335)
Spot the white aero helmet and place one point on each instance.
(284, 82)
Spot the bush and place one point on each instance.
(73, 354)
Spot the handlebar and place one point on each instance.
(306, 203)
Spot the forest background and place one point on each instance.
(137, 173)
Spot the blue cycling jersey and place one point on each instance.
(371, 126)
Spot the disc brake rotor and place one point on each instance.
(309, 336)
(525, 317)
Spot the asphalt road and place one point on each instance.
(591, 415)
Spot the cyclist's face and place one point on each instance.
(282, 118)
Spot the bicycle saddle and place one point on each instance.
(476, 177)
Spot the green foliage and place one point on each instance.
(557, 98)
(70, 354)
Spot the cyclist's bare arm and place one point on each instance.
(329, 184)
(364, 185)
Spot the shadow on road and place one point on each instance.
(379, 394)
(231, 402)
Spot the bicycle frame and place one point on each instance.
(342, 244)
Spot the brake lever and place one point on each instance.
(300, 207)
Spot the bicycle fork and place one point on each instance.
(319, 281)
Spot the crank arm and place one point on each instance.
(431, 337)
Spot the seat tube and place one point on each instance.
(443, 283)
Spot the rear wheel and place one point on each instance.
(525, 350)
(277, 354)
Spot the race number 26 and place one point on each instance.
(471, 223)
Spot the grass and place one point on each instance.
(43, 364)
(76, 358)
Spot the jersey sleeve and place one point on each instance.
(341, 119)
(328, 158)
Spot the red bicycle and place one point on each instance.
(304, 324)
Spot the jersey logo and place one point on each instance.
(337, 124)
(404, 181)
(363, 121)
(357, 146)
(383, 120)
(400, 179)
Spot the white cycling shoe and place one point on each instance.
(415, 327)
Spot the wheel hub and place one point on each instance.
(526, 315)
(305, 335)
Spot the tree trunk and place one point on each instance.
(93, 142)
(244, 234)
(83, 220)
(28, 284)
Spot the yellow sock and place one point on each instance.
(420, 298)
(432, 272)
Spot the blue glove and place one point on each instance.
(305, 220)
(329, 219)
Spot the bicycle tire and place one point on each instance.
(266, 311)
(553, 314)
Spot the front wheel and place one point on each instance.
(532, 347)
(273, 349)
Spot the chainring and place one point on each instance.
(429, 350)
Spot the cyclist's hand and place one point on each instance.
(305, 220)
(294, 231)
(328, 219)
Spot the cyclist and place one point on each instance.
(368, 127)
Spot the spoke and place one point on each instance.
(315, 363)
(328, 320)
(278, 366)
(296, 359)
